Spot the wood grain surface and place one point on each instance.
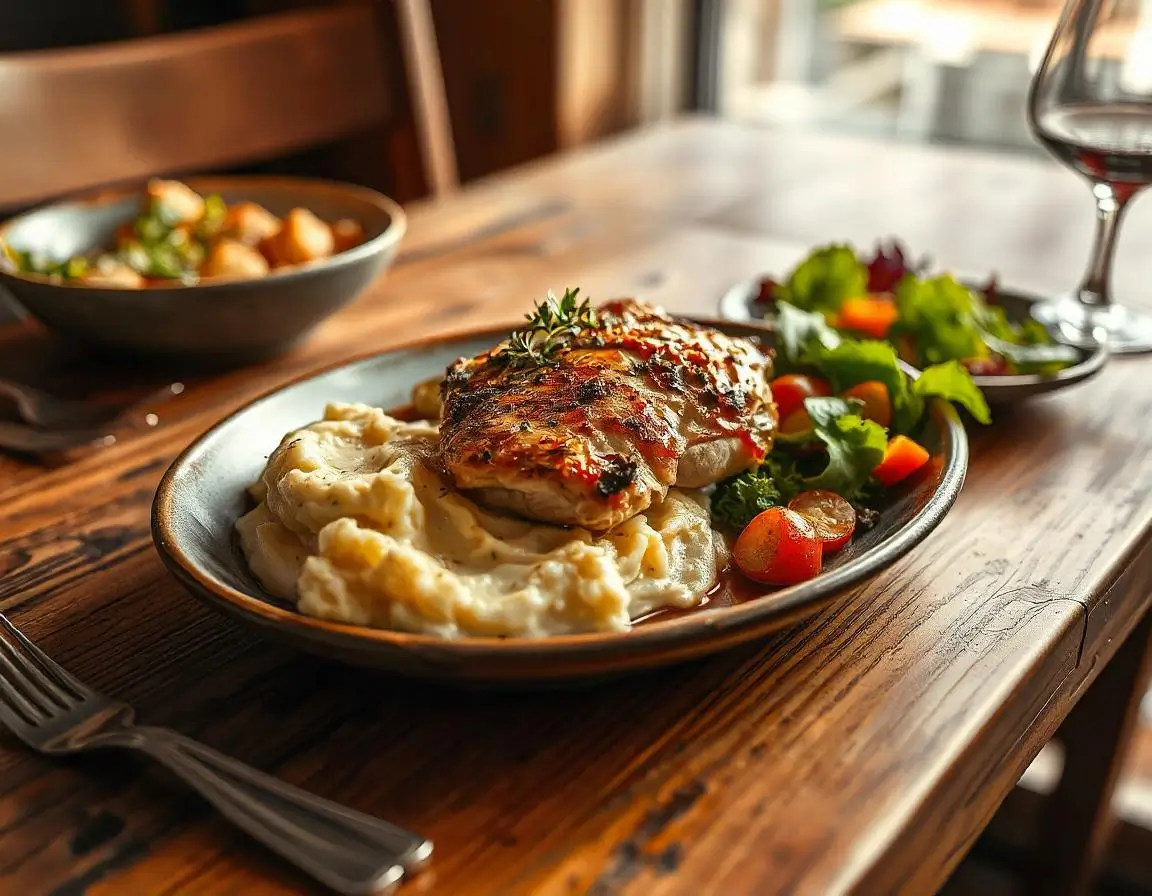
(861, 752)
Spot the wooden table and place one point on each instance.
(863, 751)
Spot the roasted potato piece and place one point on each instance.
(302, 237)
(110, 272)
(181, 204)
(250, 223)
(426, 398)
(346, 233)
(228, 258)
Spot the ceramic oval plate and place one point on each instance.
(738, 304)
(204, 492)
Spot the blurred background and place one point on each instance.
(524, 79)
(940, 71)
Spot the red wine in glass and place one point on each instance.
(1110, 142)
(1085, 114)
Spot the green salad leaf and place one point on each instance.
(994, 322)
(855, 445)
(1044, 358)
(740, 499)
(856, 361)
(948, 321)
(853, 448)
(39, 263)
(150, 229)
(952, 382)
(803, 335)
(823, 280)
(939, 313)
(940, 318)
(214, 217)
(1032, 332)
(807, 341)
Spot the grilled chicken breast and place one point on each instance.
(614, 415)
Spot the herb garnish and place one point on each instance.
(550, 328)
(739, 499)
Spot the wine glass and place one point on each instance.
(1090, 105)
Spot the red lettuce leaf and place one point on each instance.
(767, 293)
(887, 266)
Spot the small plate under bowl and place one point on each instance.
(738, 304)
(203, 494)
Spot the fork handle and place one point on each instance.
(347, 850)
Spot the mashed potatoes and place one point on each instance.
(355, 524)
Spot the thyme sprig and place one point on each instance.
(550, 327)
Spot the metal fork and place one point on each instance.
(32, 440)
(40, 408)
(54, 713)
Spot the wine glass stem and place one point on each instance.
(1095, 288)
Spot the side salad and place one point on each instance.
(850, 420)
(929, 318)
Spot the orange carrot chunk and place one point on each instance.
(902, 458)
(877, 403)
(872, 316)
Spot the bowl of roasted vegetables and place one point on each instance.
(228, 269)
(929, 316)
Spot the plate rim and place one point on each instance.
(681, 630)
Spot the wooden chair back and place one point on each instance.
(217, 97)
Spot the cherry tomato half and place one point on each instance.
(994, 365)
(795, 424)
(877, 403)
(790, 390)
(906, 349)
(902, 458)
(779, 547)
(833, 518)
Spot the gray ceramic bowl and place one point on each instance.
(221, 322)
(204, 492)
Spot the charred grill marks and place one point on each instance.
(607, 426)
(617, 474)
(591, 390)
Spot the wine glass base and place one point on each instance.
(1120, 329)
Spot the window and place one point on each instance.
(941, 71)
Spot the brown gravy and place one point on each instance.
(406, 413)
(730, 589)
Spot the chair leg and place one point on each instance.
(429, 98)
(1097, 736)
